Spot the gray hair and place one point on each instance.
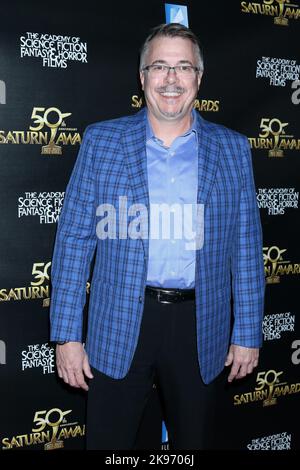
(172, 30)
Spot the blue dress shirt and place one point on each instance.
(172, 179)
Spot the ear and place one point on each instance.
(142, 79)
(199, 78)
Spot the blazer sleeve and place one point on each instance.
(247, 267)
(74, 248)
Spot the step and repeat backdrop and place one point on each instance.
(62, 68)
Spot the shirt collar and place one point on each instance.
(150, 133)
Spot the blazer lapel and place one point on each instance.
(208, 158)
(134, 148)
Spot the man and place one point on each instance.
(158, 307)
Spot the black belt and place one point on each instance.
(169, 296)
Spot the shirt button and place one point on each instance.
(172, 180)
(173, 241)
(172, 272)
(140, 299)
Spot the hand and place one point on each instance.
(243, 361)
(72, 364)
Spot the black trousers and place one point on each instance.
(166, 351)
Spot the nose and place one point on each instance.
(171, 76)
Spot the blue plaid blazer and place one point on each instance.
(112, 163)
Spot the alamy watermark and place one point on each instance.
(2, 92)
(167, 222)
(2, 352)
(296, 94)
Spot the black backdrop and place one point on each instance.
(258, 412)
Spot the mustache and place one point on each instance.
(170, 89)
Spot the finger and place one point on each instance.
(87, 369)
(80, 381)
(233, 372)
(252, 366)
(59, 372)
(65, 376)
(229, 359)
(72, 379)
(242, 371)
(68, 376)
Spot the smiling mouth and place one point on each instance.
(170, 94)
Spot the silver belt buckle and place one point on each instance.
(162, 301)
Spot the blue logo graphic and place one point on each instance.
(164, 434)
(176, 14)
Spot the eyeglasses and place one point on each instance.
(161, 70)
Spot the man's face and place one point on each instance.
(170, 97)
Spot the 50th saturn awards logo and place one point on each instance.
(274, 138)
(51, 140)
(202, 105)
(270, 386)
(38, 289)
(281, 10)
(276, 266)
(51, 428)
